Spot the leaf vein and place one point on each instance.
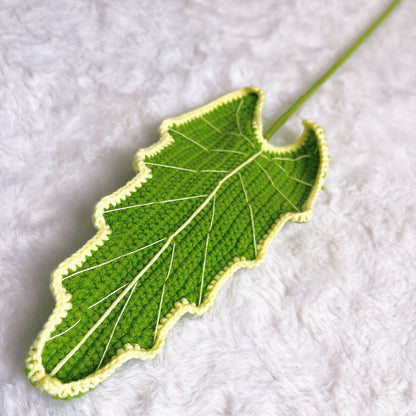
(172, 167)
(114, 259)
(206, 250)
(115, 325)
(104, 298)
(61, 333)
(163, 291)
(64, 360)
(251, 214)
(156, 202)
(292, 177)
(238, 122)
(275, 187)
(188, 138)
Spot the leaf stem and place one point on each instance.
(288, 113)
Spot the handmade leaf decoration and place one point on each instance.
(208, 198)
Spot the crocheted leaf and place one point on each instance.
(207, 199)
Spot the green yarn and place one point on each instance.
(207, 200)
(318, 83)
(213, 196)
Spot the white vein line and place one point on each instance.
(203, 269)
(213, 212)
(230, 151)
(210, 124)
(114, 259)
(234, 134)
(115, 326)
(171, 167)
(215, 171)
(206, 251)
(156, 202)
(188, 138)
(238, 122)
(251, 214)
(292, 177)
(289, 158)
(58, 335)
(282, 168)
(163, 290)
(219, 131)
(237, 116)
(300, 181)
(243, 136)
(275, 187)
(150, 263)
(112, 293)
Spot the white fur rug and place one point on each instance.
(327, 325)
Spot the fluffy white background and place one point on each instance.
(327, 325)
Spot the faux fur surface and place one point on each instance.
(327, 325)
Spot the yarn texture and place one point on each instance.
(207, 199)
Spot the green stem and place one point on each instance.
(286, 115)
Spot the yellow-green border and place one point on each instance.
(35, 370)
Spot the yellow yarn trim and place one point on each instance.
(35, 370)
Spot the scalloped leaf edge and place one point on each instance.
(34, 368)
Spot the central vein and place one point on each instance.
(151, 262)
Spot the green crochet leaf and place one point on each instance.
(207, 199)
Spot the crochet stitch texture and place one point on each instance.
(207, 199)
